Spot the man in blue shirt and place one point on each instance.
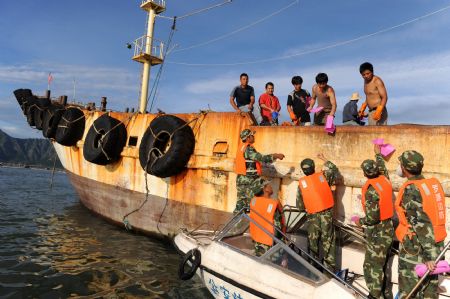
(244, 95)
(350, 112)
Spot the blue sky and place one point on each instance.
(86, 41)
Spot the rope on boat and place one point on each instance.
(53, 169)
(70, 122)
(154, 89)
(100, 142)
(125, 220)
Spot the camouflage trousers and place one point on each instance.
(410, 255)
(261, 248)
(379, 240)
(245, 186)
(321, 235)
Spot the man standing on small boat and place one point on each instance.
(420, 207)
(378, 206)
(376, 96)
(326, 98)
(262, 205)
(248, 169)
(314, 196)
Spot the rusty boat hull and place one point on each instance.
(204, 194)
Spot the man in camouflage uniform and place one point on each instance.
(320, 226)
(247, 184)
(265, 190)
(420, 247)
(379, 233)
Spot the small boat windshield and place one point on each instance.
(236, 234)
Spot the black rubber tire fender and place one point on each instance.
(70, 127)
(52, 116)
(21, 96)
(166, 146)
(105, 140)
(194, 257)
(29, 112)
(43, 102)
(39, 117)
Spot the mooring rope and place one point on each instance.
(125, 220)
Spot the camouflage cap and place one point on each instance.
(411, 160)
(369, 167)
(259, 184)
(246, 133)
(307, 164)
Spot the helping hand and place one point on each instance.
(377, 148)
(361, 113)
(430, 265)
(377, 114)
(278, 156)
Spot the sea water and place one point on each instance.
(53, 247)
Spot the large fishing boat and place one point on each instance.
(158, 173)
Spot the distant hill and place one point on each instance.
(36, 152)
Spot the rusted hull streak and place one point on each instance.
(209, 182)
(157, 216)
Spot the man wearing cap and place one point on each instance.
(377, 203)
(350, 112)
(263, 206)
(248, 169)
(420, 207)
(314, 196)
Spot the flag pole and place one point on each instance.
(49, 80)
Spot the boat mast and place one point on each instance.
(148, 50)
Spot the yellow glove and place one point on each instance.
(377, 114)
(362, 109)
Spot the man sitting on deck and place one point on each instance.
(263, 206)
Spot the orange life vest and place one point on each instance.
(316, 192)
(433, 201)
(262, 211)
(240, 162)
(384, 189)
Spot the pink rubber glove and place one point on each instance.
(354, 218)
(441, 267)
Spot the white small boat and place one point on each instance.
(226, 263)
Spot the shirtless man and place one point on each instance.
(376, 96)
(326, 98)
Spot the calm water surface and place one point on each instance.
(52, 247)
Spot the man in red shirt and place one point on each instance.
(270, 106)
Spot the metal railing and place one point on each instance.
(140, 46)
(161, 3)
